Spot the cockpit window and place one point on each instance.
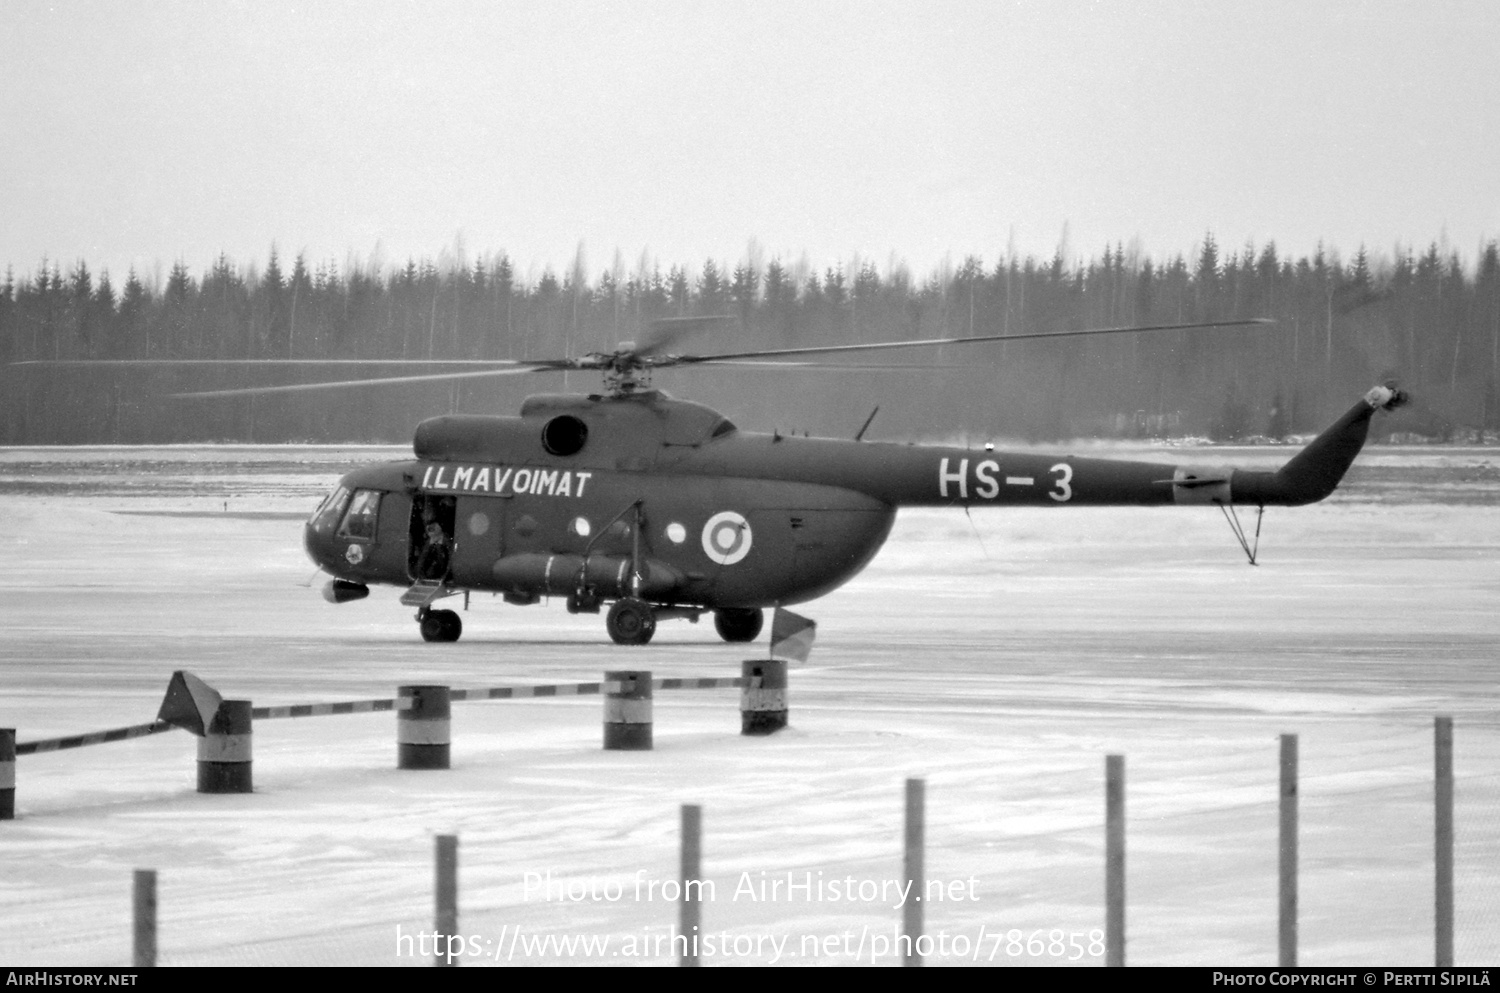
(722, 428)
(359, 522)
(330, 510)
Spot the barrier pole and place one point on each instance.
(1114, 860)
(690, 912)
(1286, 916)
(916, 840)
(143, 900)
(1443, 841)
(446, 891)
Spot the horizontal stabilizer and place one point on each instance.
(1192, 481)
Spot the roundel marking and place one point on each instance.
(726, 537)
(355, 554)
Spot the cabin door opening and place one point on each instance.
(432, 537)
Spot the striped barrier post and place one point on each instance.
(224, 751)
(92, 738)
(324, 709)
(697, 683)
(763, 698)
(423, 729)
(627, 712)
(527, 692)
(7, 774)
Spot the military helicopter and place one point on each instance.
(657, 508)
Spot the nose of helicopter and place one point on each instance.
(317, 533)
(315, 545)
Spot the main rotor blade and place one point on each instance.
(664, 331)
(930, 342)
(540, 366)
(282, 362)
(815, 366)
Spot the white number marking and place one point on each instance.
(1064, 492)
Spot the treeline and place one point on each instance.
(1425, 318)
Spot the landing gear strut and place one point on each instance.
(439, 625)
(631, 621)
(738, 623)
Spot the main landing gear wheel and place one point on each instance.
(440, 625)
(738, 623)
(631, 622)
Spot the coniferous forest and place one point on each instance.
(1427, 318)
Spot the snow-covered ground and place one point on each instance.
(1001, 660)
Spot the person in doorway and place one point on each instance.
(433, 563)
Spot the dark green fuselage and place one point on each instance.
(667, 500)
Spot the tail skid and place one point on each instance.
(1251, 548)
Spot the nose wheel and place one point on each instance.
(439, 625)
(738, 624)
(631, 622)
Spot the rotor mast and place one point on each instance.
(625, 372)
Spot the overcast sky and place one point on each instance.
(139, 133)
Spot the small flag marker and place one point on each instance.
(190, 703)
(792, 635)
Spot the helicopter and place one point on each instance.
(645, 507)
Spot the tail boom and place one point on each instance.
(1311, 475)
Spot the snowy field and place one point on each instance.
(1000, 659)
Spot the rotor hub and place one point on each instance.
(625, 372)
